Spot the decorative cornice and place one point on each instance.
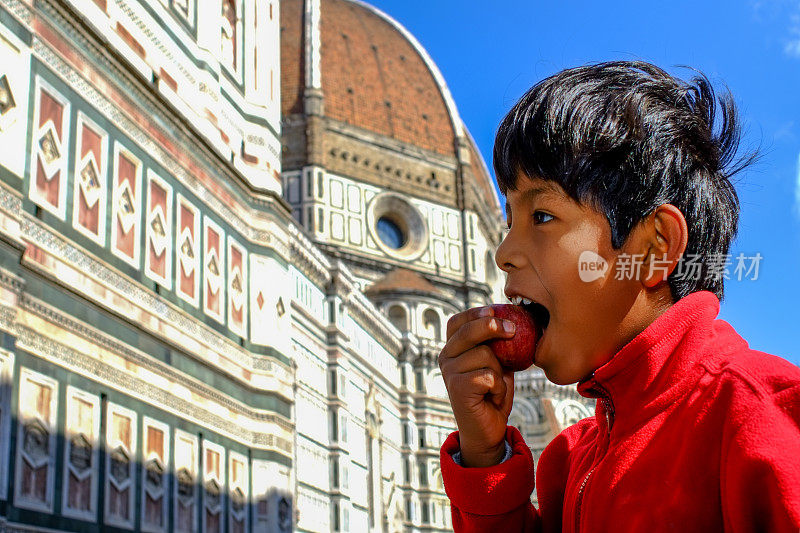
(20, 10)
(34, 342)
(308, 258)
(10, 200)
(11, 281)
(54, 244)
(394, 146)
(55, 316)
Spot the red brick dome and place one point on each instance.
(374, 75)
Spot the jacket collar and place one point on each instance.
(652, 369)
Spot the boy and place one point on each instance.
(693, 431)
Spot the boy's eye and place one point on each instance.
(540, 217)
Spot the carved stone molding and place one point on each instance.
(34, 342)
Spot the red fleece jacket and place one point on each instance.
(693, 432)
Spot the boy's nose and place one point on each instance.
(509, 254)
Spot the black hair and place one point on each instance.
(626, 137)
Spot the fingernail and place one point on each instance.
(508, 326)
(485, 311)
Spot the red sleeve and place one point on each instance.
(761, 464)
(493, 498)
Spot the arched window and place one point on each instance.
(228, 35)
(432, 324)
(397, 316)
(491, 268)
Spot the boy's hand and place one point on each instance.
(481, 393)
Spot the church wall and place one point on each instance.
(343, 212)
(157, 267)
(372, 353)
(177, 411)
(155, 170)
(308, 296)
(315, 510)
(157, 289)
(390, 164)
(109, 318)
(209, 69)
(486, 269)
(332, 420)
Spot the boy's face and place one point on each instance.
(591, 313)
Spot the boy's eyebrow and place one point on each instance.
(533, 192)
(538, 190)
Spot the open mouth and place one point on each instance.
(540, 314)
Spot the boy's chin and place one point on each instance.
(558, 375)
(558, 380)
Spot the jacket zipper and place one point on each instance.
(609, 409)
(580, 495)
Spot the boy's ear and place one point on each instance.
(666, 237)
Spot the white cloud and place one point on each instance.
(792, 46)
(786, 13)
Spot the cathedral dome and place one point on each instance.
(377, 165)
(374, 75)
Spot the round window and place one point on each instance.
(396, 226)
(390, 233)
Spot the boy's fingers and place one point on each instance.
(497, 390)
(474, 359)
(482, 381)
(459, 319)
(474, 333)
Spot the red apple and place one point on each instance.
(515, 353)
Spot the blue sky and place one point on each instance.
(491, 52)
